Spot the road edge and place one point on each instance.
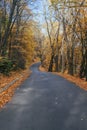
(77, 81)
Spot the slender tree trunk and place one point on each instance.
(68, 47)
(56, 63)
(6, 36)
(62, 56)
(57, 50)
(0, 31)
(72, 61)
(86, 66)
(51, 63)
(82, 66)
(86, 55)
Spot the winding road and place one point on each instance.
(45, 101)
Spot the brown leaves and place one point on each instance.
(6, 96)
(79, 82)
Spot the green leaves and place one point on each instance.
(6, 66)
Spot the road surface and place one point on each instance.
(45, 101)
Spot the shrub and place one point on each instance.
(18, 58)
(6, 66)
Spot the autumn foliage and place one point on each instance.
(66, 43)
(16, 35)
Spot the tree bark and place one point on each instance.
(6, 36)
(51, 63)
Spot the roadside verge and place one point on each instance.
(79, 82)
(8, 85)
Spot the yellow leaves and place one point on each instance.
(0, 58)
(56, 1)
(70, 3)
(28, 43)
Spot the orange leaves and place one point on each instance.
(79, 82)
(6, 96)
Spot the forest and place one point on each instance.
(60, 42)
(65, 48)
(43, 64)
(17, 41)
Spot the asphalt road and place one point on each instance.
(45, 102)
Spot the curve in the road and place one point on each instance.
(46, 102)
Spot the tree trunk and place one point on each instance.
(57, 50)
(82, 67)
(6, 36)
(56, 62)
(51, 63)
(86, 64)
